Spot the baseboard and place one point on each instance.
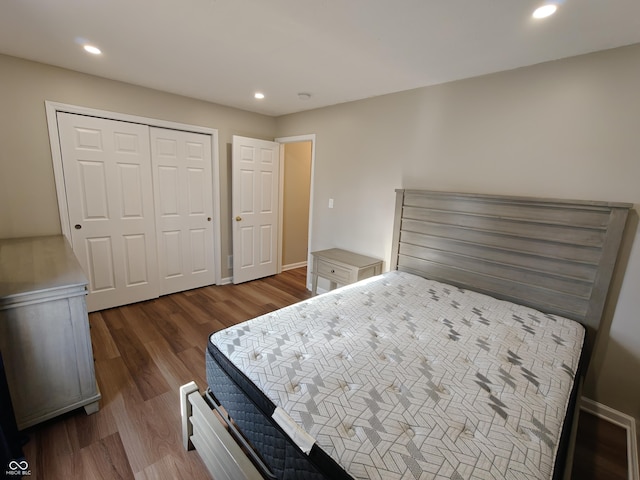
(226, 281)
(622, 420)
(291, 266)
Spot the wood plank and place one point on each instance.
(504, 255)
(90, 429)
(542, 247)
(171, 467)
(115, 379)
(143, 370)
(103, 345)
(523, 209)
(589, 237)
(193, 308)
(131, 419)
(139, 319)
(516, 199)
(163, 325)
(106, 459)
(113, 318)
(173, 370)
(503, 269)
(194, 360)
(603, 450)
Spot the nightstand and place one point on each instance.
(342, 267)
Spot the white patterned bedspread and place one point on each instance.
(399, 377)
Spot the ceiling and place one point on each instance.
(337, 51)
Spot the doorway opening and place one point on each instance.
(297, 155)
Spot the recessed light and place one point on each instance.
(92, 49)
(545, 11)
(258, 95)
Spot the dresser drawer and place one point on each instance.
(333, 272)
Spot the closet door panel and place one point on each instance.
(100, 265)
(108, 180)
(184, 203)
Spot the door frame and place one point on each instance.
(52, 109)
(296, 139)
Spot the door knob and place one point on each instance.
(208, 219)
(238, 218)
(77, 226)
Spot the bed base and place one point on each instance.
(228, 456)
(222, 448)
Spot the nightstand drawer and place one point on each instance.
(333, 272)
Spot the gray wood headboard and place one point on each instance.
(556, 256)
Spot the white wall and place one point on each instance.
(565, 129)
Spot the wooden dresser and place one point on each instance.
(44, 329)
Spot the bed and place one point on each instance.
(463, 361)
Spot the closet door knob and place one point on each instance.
(77, 226)
(208, 219)
(238, 218)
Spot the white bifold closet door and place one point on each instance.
(183, 199)
(139, 205)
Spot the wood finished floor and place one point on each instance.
(601, 452)
(145, 351)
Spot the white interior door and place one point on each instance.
(255, 176)
(108, 181)
(184, 203)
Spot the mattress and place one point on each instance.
(400, 377)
